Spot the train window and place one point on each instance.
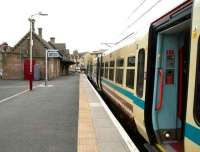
(140, 72)
(111, 70)
(119, 76)
(102, 65)
(119, 71)
(130, 78)
(91, 69)
(120, 62)
(106, 70)
(102, 69)
(197, 88)
(106, 73)
(111, 74)
(112, 63)
(131, 61)
(106, 64)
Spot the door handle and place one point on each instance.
(159, 105)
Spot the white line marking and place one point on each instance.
(43, 86)
(7, 87)
(121, 130)
(8, 98)
(95, 104)
(20, 93)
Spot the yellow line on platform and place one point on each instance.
(86, 133)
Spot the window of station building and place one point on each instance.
(119, 71)
(131, 61)
(197, 89)
(140, 73)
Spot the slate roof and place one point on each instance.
(59, 46)
(45, 43)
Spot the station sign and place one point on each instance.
(52, 53)
(52, 50)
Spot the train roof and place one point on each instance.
(136, 36)
(143, 30)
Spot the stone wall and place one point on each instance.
(53, 68)
(12, 66)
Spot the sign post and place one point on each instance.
(46, 67)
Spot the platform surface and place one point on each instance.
(44, 120)
(96, 131)
(66, 116)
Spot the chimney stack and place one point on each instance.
(52, 40)
(40, 32)
(33, 25)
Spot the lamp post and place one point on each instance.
(31, 47)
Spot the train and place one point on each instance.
(155, 79)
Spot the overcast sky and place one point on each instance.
(81, 24)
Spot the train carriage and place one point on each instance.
(155, 79)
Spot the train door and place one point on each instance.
(192, 126)
(170, 86)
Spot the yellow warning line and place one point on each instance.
(86, 133)
(160, 148)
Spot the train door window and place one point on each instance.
(130, 72)
(197, 88)
(111, 70)
(140, 72)
(119, 71)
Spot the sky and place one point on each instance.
(81, 24)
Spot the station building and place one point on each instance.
(16, 62)
(83, 59)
